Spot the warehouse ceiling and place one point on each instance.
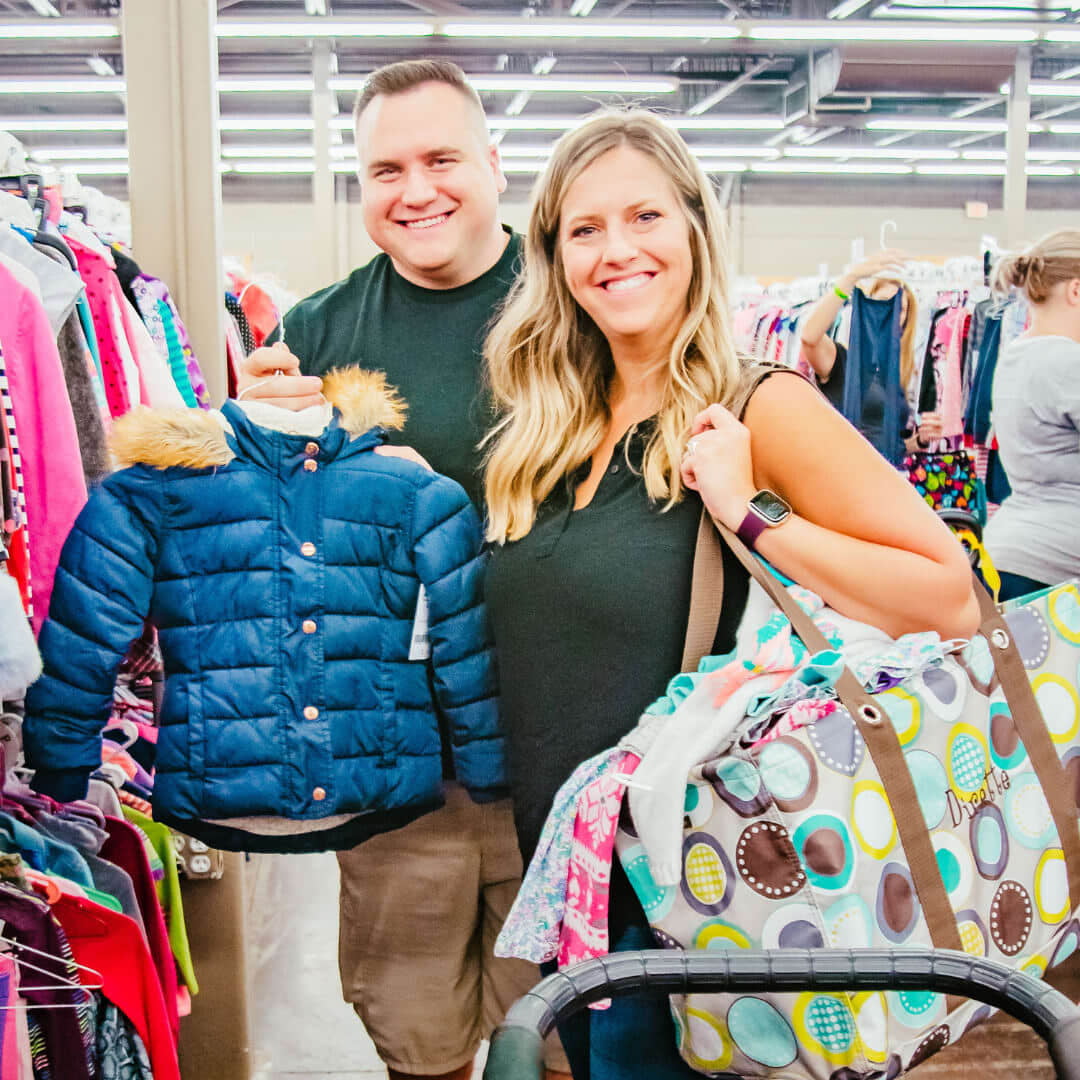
(764, 90)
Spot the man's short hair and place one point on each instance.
(406, 75)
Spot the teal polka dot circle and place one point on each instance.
(787, 771)
(761, 1033)
(740, 778)
(831, 1024)
(949, 866)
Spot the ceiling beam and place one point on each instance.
(730, 88)
(439, 7)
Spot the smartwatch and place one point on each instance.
(764, 510)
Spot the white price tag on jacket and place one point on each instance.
(420, 646)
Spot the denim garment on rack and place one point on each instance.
(873, 397)
(977, 418)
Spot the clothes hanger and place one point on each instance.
(16, 948)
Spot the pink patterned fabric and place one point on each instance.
(801, 714)
(123, 387)
(584, 933)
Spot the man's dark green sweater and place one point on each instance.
(427, 341)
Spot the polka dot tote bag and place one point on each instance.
(940, 812)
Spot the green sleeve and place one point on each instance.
(171, 900)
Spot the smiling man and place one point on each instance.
(430, 185)
(420, 907)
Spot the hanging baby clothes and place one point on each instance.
(123, 386)
(874, 400)
(55, 489)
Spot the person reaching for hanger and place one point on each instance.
(828, 358)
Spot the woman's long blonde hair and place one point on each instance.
(548, 364)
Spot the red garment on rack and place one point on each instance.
(125, 848)
(260, 311)
(113, 945)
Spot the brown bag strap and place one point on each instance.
(1033, 731)
(706, 594)
(881, 740)
(707, 580)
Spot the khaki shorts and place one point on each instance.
(420, 910)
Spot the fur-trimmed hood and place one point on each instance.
(195, 439)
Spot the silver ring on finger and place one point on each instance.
(691, 445)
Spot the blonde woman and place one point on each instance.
(828, 359)
(1034, 539)
(610, 365)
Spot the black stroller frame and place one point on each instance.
(516, 1048)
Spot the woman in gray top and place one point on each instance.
(1034, 539)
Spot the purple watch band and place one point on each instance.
(753, 525)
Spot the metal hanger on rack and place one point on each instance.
(14, 948)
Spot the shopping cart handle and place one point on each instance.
(516, 1047)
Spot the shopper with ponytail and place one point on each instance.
(1034, 539)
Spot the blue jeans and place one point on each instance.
(633, 1040)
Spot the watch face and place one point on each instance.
(770, 506)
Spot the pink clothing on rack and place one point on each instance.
(946, 349)
(48, 443)
(13, 1064)
(584, 934)
(103, 292)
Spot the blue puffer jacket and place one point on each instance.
(282, 573)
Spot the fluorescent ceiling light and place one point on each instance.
(298, 151)
(725, 123)
(949, 126)
(1068, 73)
(880, 153)
(101, 168)
(957, 14)
(45, 29)
(831, 168)
(1051, 89)
(893, 33)
(271, 167)
(300, 84)
(44, 7)
(61, 86)
(324, 28)
(665, 30)
(1064, 129)
(597, 84)
(80, 153)
(276, 123)
(1061, 37)
(714, 167)
(960, 170)
(583, 84)
(545, 65)
(989, 169)
(315, 7)
(581, 8)
(62, 123)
